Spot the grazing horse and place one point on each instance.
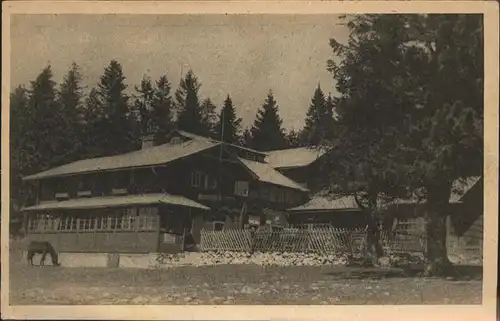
(44, 248)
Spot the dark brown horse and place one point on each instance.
(44, 248)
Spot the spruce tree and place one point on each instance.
(143, 105)
(246, 138)
(45, 139)
(20, 124)
(315, 129)
(120, 122)
(267, 133)
(70, 100)
(229, 122)
(94, 130)
(208, 118)
(189, 112)
(161, 110)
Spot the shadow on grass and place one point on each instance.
(467, 272)
(460, 273)
(368, 273)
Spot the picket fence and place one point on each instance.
(319, 240)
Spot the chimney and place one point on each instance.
(147, 141)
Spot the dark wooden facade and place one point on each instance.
(212, 178)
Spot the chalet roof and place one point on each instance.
(459, 189)
(325, 203)
(293, 157)
(117, 201)
(266, 173)
(156, 155)
(321, 202)
(207, 139)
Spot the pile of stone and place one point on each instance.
(258, 258)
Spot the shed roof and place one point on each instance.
(325, 203)
(157, 155)
(265, 173)
(293, 157)
(459, 188)
(117, 201)
(321, 202)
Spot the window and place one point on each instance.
(250, 156)
(85, 185)
(175, 140)
(196, 179)
(218, 226)
(241, 188)
(199, 179)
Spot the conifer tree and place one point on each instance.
(162, 109)
(208, 118)
(20, 123)
(46, 136)
(120, 122)
(315, 129)
(246, 138)
(230, 122)
(189, 112)
(70, 100)
(143, 105)
(94, 131)
(267, 133)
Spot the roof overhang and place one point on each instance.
(117, 201)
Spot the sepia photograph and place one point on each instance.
(232, 159)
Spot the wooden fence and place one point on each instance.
(319, 240)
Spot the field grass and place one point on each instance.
(235, 284)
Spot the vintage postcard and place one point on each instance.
(249, 160)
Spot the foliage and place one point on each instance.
(228, 125)
(70, 99)
(189, 111)
(116, 127)
(208, 118)
(410, 109)
(162, 110)
(293, 138)
(319, 120)
(266, 132)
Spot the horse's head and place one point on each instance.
(55, 260)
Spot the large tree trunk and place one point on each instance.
(436, 260)
(374, 248)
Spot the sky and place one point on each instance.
(244, 56)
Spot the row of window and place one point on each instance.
(129, 220)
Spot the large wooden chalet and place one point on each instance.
(158, 198)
